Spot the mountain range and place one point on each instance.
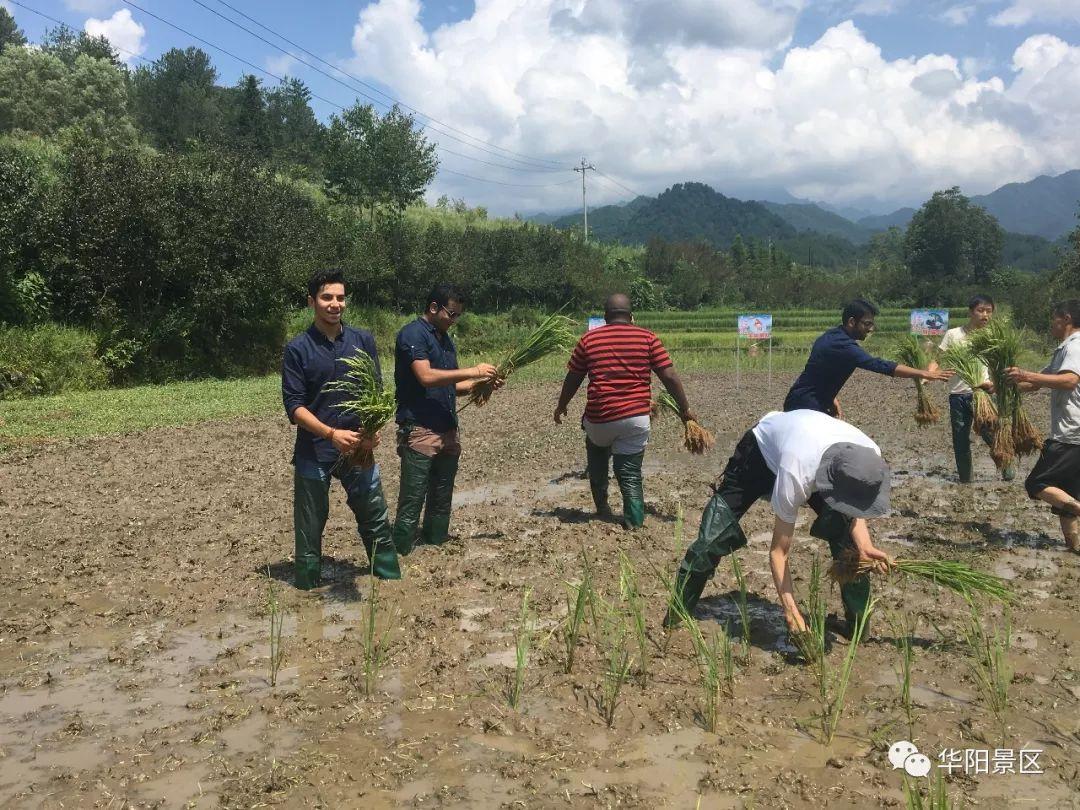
(1033, 214)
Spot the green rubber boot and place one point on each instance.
(719, 535)
(835, 528)
(373, 526)
(440, 497)
(597, 461)
(311, 505)
(628, 474)
(413, 489)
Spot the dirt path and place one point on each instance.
(134, 656)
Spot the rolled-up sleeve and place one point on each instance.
(788, 496)
(293, 391)
(410, 344)
(864, 360)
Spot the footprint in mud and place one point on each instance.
(768, 630)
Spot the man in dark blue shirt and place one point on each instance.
(428, 381)
(324, 434)
(835, 356)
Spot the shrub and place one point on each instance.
(48, 359)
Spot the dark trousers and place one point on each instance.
(746, 479)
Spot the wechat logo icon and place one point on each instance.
(904, 754)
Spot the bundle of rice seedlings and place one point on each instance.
(955, 576)
(696, 439)
(911, 351)
(961, 359)
(555, 333)
(999, 344)
(373, 405)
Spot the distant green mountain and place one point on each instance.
(810, 217)
(882, 222)
(1045, 206)
(685, 212)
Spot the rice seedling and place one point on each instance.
(579, 598)
(635, 602)
(744, 610)
(967, 365)
(832, 685)
(936, 798)
(277, 621)
(989, 662)
(516, 686)
(555, 333)
(955, 576)
(911, 351)
(618, 663)
(904, 626)
(366, 398)
(374, 641)
(696, 439)
(716, 663)
(999, 345)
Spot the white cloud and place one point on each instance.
(281, 64)
(834, 120)
(1022, 12)
(958, 15)
(122, 31)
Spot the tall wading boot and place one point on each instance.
(412, 491)
(373, 525)
(311, 505)
(960, 417)
(718, 536)
(628, 474)
(835, 528)
(440, 498)
(597, 461)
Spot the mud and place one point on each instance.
(134, 631)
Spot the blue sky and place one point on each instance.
(872, 103)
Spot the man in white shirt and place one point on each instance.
(961, 415)
(1055, 478)
(794, 458)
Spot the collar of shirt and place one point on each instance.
(317, 334)
(1074, 336)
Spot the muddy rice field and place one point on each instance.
(134, 630)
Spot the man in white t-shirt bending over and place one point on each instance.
(794, 458)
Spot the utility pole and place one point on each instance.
(585, 166)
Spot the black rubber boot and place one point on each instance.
(413, 490)
(597, 461)
(628, 474)
(440, 497)
(311, 505)
(373, 526)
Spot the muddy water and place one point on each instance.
(134, 657)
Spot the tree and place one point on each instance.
(295, 133)
(949, 240)
(249, 125)
(374, 161)
(9, 31)
(177, 100)
(67, 45)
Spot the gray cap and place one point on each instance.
(854, 479)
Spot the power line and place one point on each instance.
(514, 185)
(369, 86)
(532, 166)
(620, 185)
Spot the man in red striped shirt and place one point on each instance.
(618, 359)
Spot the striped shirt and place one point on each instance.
(618, 358)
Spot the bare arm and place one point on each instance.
(571, 383)
(783, 534)
(932, 374)
(1032, 380)
(670, 378)
(437, 378)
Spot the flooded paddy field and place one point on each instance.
(134, 632)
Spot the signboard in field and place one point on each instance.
(929, 321)
(755, 327)
(595, 322)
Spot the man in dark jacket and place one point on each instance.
(324, 434)
(834, 358)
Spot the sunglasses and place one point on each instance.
(450, 313)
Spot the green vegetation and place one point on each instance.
(277, 622)
(578, 599)
(989, 662)
(522, 644)
(374, 641)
